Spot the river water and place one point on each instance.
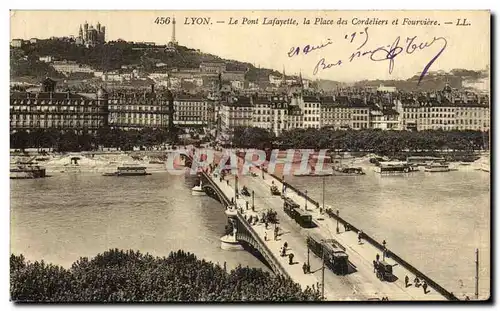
(435, 221)
(61, 218)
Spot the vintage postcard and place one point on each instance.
(221, 156)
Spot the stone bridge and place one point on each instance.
(244, 231)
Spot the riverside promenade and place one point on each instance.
(359, 285)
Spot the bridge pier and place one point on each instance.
(230, 241)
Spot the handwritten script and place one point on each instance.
(386, 52)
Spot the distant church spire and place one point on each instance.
(283, 79)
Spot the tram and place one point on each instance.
(331, 251)
(292, 209)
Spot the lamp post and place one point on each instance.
(236, 186)
(338, 230)
(308, 263)
(321, 210)
(305, 206)
(323, 272)
(384, 243)
(477, 274)
(253, 200)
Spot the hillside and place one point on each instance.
(432, 81)
(25, 64)
(114, 55)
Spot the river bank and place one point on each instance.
(155, 161)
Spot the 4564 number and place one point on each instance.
(162, 20)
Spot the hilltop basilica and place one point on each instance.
(90, 36)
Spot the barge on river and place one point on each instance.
(386, 168)
(129, 171)
(437, 167)
(423, 160)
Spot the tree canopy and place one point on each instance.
(130, 276)
(370, 140)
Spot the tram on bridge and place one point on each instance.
(332, 252)
(292, 209)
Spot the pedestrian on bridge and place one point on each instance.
(265, 236)
(407, 280)
(424, 286)
(290, 259)
(360, 236)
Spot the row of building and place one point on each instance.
(445, 110)
(158, 108)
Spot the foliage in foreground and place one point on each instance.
(119, 276)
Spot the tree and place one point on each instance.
(130, 276)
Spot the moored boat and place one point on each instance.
(437, 167)
(347, 171)
(423, 160)
(394, 167)
(27, 170)
(313, 173)
(128, 171)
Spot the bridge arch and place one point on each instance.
(212, 192)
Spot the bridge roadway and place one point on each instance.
(359, 285)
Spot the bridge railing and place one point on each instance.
(268, 254)
(448, 295)
(262, 245)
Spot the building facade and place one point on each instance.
(311, 107)
(384, 119)
(192, 111)
(236, 112)
(444, 110)
(48, 109)
(137, 111)
(213, 67)
(68, 67)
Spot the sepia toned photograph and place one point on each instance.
(250, 156)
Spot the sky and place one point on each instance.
(269, 46)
